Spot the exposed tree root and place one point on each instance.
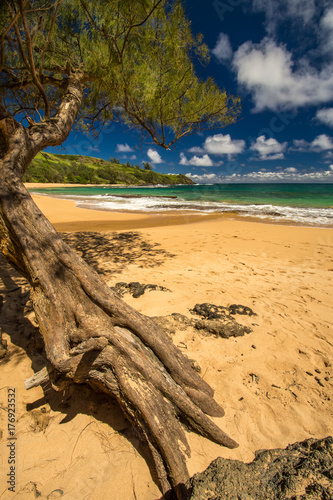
(91, 336)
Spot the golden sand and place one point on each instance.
(284, 273)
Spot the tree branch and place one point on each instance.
(48, 38)
(141, 23)
(11, 24)
(36, 81)
(55, 130)
(106, 35)
(20, 43)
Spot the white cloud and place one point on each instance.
(220, 144)
(326, 25)
(276, 11)
(290, 174)
(319, 144)
(196, 150)
(204, 178)
(269, 149)
(133, 157)
(204, 161)
(325, 115)
(322, 143)
(124, 148)
(327, 19)
(154, 156)
(222, 50)
(301, 145)
(268, 71)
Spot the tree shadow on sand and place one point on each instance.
(111, 253)
(17, 321)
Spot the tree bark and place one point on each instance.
(91, 335)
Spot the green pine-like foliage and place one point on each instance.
(47, 167)
(137, 62)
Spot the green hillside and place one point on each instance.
(47, 167)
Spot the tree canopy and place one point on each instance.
(135, 60)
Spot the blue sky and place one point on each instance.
(277, 55)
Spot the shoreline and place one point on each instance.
(180, 213)
(65, 216)
(69, 215)
(44, 185)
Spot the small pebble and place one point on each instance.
(317, 371)
(253, 346)
(309, 373)
(327, 379)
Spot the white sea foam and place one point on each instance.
(141, 203)
(307, 216)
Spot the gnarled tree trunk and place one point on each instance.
(91, 335)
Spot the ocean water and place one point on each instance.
(306, 204)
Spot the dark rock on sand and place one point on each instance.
(135, 289)
(224, 329)
(211, 311)
(239, 309)
(219, 320)
(173, 322)
(301, 471)
(217, 323)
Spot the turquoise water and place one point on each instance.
(310, 204)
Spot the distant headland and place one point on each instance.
(78, 169)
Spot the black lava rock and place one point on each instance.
(224, 329)
(302, 471)
(211, 311)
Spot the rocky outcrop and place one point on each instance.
(173, 322)
(211, 311)
(214, 320)
(302, 471)
(220, 321)
(224, 329)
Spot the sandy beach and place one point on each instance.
(275, 383)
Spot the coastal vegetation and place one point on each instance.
(66, 63)
(48, 167)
